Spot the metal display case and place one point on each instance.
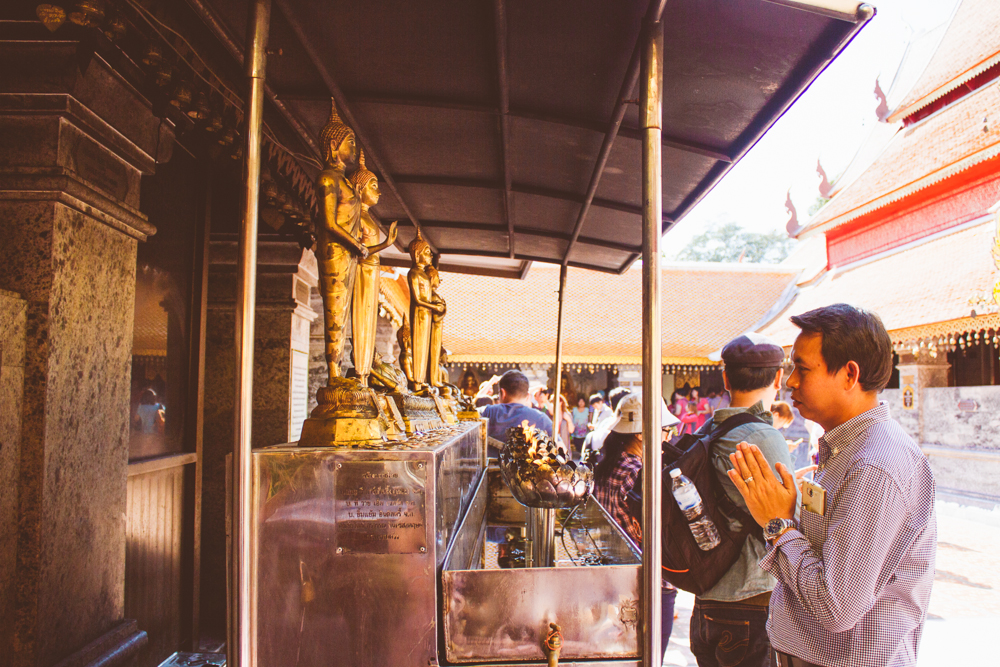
(389, 556)
(492, 614)
(348, 543)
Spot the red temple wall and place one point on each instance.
(956, 200)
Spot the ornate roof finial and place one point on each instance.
(333, 133)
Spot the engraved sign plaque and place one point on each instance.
(380, 507)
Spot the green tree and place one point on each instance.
(729, 242)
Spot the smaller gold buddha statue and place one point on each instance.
(435, 378)
(364, 307)
(422, 311)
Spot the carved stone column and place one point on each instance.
(75, 139)
(286, 279)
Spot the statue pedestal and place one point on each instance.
(445, 409)
(348, 414)
(419, 412)
(341, 431)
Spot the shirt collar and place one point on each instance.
(839, 437)
(757, 410)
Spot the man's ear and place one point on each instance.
(852, 375)
(503, 394)
(725, 381)
(778, 377)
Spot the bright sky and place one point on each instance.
(828, 122)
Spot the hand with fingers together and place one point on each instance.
(766, 497)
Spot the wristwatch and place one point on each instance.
(775, 527)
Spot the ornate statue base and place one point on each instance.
(347, 415)
(419, 413)
(445, 409)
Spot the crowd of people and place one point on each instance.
(839, 571)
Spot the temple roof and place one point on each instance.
(923, 288)
(969, 47)
(514, 321)
(509, 133)
(930, 151)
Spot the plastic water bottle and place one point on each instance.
(689, 500)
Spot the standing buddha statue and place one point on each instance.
(346, 411)
(422, 310)
(338, 243)
(364, 310)
(435, 378)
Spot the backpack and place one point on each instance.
(685, 565)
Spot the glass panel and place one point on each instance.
(163, 297)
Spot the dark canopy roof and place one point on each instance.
(495, 125)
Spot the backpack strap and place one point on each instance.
(721, 497)
(726, 504)
(739, 419)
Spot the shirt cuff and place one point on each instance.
(767, 562)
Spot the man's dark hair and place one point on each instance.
(743, 378)
(514, 383)
(851, 334)
(596, 398)
(616, 395)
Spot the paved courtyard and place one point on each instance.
(965, 603)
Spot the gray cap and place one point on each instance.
(753, 350)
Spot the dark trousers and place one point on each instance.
(667, 620)
(729, 634)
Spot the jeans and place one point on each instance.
(729, 634)
(667, 621)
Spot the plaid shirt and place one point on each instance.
(854, 584)
(612, 493)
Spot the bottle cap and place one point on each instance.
(675, 473)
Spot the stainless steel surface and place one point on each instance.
(349, 542)
(466, 551)
(241, 626)
(501, 507)
(492, 614)
(652, 214)
(542, 533)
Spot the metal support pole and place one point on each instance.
(542, 533)
(242, 630)
(556, 408)
(652, 216)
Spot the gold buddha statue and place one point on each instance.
(347, 412)
(435, 378)
(422, 311)
(405, 352)
(364, 309)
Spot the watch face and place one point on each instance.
(774, 526)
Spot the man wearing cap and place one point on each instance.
(729, 621)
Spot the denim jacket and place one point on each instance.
(745, 579)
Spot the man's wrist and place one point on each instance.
(777, 527)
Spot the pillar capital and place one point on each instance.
(77, 133)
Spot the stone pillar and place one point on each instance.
(286, 278)
(12, 333)
(917, 373)
(75, 139)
